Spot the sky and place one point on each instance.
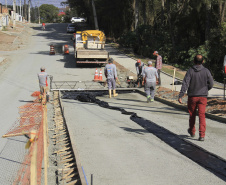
(35, 2)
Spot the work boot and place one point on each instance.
(152, 100)
(201, 138)
(191, 134)
(109, 93)
(148, 99)
(114, 93)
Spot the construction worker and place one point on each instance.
(43, 26)
(42, 77)
(139, 68)
(150, 77)
(111, 75)
(197, 82)
(158, 64)
(73, 39)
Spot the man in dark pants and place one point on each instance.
(139, 68)
(197, 82)
(158, 65)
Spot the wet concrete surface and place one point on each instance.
(163, 125)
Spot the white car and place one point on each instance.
(77, 19)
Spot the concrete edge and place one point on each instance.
(2, 59)
(74, 148)
(184, 108)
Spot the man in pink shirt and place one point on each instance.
(158, 64)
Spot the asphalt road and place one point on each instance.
(18, 80)
(112, 147)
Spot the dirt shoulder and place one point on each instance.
(15, 38)
(215, 106)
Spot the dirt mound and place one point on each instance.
(214, 106)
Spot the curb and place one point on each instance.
(2, 59)
(184, 107)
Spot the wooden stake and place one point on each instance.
(33, 168)
(45, 139)
(174, 72)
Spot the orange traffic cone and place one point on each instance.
(100, 75)
(52, 50)
(96, 78)
(66, 49)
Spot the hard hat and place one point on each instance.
(138, 61)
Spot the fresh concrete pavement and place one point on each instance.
(118, 151)
(111, 146)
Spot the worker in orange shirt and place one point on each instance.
(43, 26)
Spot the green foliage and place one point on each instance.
(178, 30)
(48, 13)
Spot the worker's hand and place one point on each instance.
(180, 100)
(116, 78)
(142, 82)
(157, 82)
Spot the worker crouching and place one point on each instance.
(111, 75)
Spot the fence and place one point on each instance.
(31, 124)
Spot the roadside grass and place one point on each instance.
(129, 52)
(169, 69)
(4, 28)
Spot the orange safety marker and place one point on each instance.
(52, 50)
(66, 49)
(96, 78)
(100, 75)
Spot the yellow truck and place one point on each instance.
(89, 47)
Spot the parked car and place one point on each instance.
(71, 28)
(77, 19)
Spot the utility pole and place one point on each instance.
(6, 3)
(38, 13)
(29, 11)
(20, 8)
(14, 13)
(25, 10)
(95, 16)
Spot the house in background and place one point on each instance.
(4, 16)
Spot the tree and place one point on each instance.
(48, 13)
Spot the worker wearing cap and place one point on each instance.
(111, 75)
(150, 78)
(139, 68)
(158, 64)
(42, 77)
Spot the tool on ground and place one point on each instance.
(31, 138)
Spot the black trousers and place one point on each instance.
(159, 79)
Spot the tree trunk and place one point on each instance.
(136, 13)
(25, 10)
(171, 27)
(222, 11)
(162, 11)
(207, 29)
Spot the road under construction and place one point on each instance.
(96, 140)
